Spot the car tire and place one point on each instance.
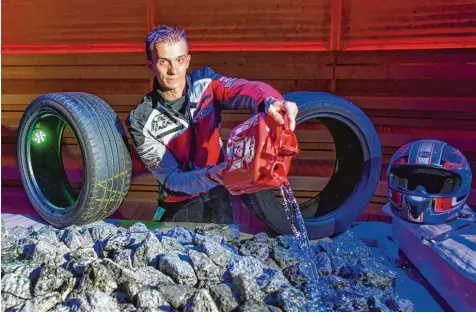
(356, 172)
(106, 171)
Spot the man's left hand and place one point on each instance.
(273, 107)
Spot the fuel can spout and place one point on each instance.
(259, 153)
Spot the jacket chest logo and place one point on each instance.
(205, 112)
(165, 127)
(160, 122)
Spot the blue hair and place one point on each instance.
(161, 34)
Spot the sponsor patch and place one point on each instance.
(228, 81)
(163, 124)
(205, 112)
(160, 122)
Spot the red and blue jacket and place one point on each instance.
(178, 149)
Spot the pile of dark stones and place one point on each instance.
(102, 267)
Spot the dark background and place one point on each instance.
(410, 65)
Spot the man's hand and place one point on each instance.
(273, 107)
(215, 173)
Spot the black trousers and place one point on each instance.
(213, 206)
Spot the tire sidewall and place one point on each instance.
(38, 108)
(367, 135)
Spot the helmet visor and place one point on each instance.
(435, 181)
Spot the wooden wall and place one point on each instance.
(410, 65)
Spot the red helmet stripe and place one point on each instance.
(443, 204)
(396, 198)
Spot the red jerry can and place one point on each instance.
(259, 153)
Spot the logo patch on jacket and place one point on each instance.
(205, 112)
(163, 124)
(160, 122)
(228, 81)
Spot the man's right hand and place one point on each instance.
(215, 173)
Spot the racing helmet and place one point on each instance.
(428, 182)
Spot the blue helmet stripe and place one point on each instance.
(414, 150)
(437, 153)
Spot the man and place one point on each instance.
(175, 129)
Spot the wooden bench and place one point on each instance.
(444, 254)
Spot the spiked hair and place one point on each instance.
(163, 34)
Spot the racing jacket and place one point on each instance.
(178, 149)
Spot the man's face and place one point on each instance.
(169, 64)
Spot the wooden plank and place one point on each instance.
(269, 71)
(118, 102)
(429, 119)
(73, 59)
(289, 85)
(406, 88)
(410, 103)
(143, 188)
(407, 24)
(407, 56)
(443, 120)
(433, 64)
(462, 142)
(199, 59)
(250, 21)
(444, 254)
(430, 71)
(132, 86)
(26, 221)
(114, 72)
(422, 122)
(99, 86)
(257, 72)
(81, 23)
(461, 116)
(14, 218)
(259, 58)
